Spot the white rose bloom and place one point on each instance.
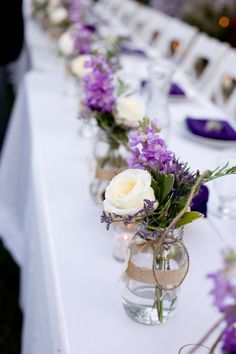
(78, 68)
(58, 15)
(129, 111)
(66, 44)
(126, 192)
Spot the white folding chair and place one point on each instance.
(176, 40)
(222, 88)
(156, 25)
(126, 11)
(140, 20)
(202, 59)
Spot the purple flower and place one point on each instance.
(106, 219)
(224, 288)
(148, 149)
(82, 39)
(75, 11)
(98, 86)
(229, 340)
(224, 295)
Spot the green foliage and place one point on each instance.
(122, 88)
(116, 133)
(162, 186)
(220, 172)
(144, 123)
(114, 49)
(189, 217)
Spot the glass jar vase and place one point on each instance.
(153, 276)
(109, 161)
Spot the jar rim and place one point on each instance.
(174, 235)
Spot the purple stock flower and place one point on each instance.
(148, 149)
(82, 37)
(224, 288)
(224, 294)
(98, 86)
(229, 340)
(75, 11)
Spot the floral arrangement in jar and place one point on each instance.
(58, 15)
(107, 101)
(39, 9)
(156, 194)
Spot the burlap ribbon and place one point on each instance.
(107, 173)
(164, 279)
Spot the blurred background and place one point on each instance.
(217, 18)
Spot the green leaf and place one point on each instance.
(220, 172)
(122, 88)
(155, 187)
(189, 217)
(167, 185)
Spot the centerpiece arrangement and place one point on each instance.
(106, 100)
(156, 194)
(53, 16)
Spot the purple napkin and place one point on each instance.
(90, 27)
(199, 202)
(176, 90)
(132, 51)
(213, 129)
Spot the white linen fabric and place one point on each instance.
(70, 295)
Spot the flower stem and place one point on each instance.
(159, 303)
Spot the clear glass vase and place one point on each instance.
(144, 299)
(109, 161)
(160, 75)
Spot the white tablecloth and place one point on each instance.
(70, 293)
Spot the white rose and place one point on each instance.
(58, 15)
(66, 44)
(78, 68)
(126, 192)
(129, 111)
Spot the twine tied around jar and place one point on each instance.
(159, 277)
(107, 173)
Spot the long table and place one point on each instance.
(70, 288)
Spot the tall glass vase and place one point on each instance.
(160, 75)
(109, 161)
(153, 277)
